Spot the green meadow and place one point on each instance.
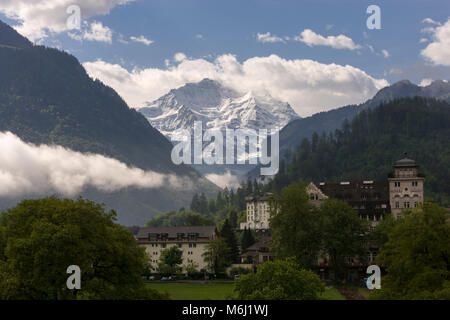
(214, 291)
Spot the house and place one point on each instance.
(259, 252)
(191, 241)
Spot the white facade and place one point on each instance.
(258, 213)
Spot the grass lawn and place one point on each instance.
(364, 292)
(332, 294)
(215, 291)
(195, 291)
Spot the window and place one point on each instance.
(406, 204)
(414, 183)
(397, 205)
(397, 184)
(180, 245)
(415, 204)
(192, 236)
(163, 245)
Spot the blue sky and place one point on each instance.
(208, 29)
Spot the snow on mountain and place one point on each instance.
(217, 107)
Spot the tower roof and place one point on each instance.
(405, 162)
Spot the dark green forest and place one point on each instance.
(366, 147)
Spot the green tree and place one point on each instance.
(195, 203)
(417, 256)
(215, 255)
(191, 268)
(343, 234)
(170, 261)
(212, 206)
(381, 233)
(228, 233)
(40, 239)
(279, 280)
(247, 239)
(295, 226)
(203, 204)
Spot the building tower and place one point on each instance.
(405, 186)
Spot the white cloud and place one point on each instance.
(427, 30)
(141, 39)
(30, 169)
(329, 27)
(422, 40)
(268, 38)
(199, 36)
(39, 18)
(311, 38)
(438, 51)
(224, 180)
(121, 39)
(178, 57)
(425, 82)
(309, 86)
(396, 71)
(98, 32)
(431, 21)
(385, 53)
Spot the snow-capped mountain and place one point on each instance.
(217, 107)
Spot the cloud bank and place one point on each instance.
(38, 18)
(309, 86)
(224, 180)
(438, 51)
(29, 169)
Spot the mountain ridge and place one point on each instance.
(46, 97)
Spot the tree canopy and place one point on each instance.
(40, 239)
(417, 256)
(279, 280)
(295, 226)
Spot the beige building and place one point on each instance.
(258, 213)
(405, 186)
(316, 196)
(190, 240)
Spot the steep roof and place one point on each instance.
(202, 231)
(357, 191)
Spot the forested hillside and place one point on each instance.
(366, 147)
(46, 97)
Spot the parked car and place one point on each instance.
(164, 278)
(151, 278)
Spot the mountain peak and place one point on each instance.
(217, 107)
